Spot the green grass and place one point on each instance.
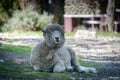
(27, 50)
(9, 66)
(10, 69)
(17, 49)
(85, 63)
(106, 34)
(27, 33)
(69, 34)
(55, 76)
(11, 40)
(36, 33)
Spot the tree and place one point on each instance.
(7, 6)
(34, 4)
(110, 14)
(58, 11)
(22, 4)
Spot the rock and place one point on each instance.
(76, 7)
(85, 34)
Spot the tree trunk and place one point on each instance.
(34, 4)
(55, 12)
(110, 14)
(58, 11)
(22, 4)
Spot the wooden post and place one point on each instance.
(110, 14)
(68, 24)
(92, 25)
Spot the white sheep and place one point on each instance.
(52, 55)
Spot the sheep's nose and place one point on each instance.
(57, 39)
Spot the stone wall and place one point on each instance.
(81, 7)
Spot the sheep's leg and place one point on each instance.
(36, 67)
(74, 61)
(69, 68)
(77, 66)
(59, 67)
(88, 69)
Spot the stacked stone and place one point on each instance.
(81, 7)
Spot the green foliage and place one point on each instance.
(27, 20)
(1, 24)
(3, 14)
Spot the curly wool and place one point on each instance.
(52, 55)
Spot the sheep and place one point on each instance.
(50, 55)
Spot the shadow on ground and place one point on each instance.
(16, 66)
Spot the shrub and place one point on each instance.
(27, 20)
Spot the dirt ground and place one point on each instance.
(105, 52)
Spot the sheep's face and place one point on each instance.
(54, 36)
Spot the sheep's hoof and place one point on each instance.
(36, 68)
(69, 68)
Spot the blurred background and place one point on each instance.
(33, 15)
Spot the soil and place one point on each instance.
(105, 53)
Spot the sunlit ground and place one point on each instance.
(101, 54)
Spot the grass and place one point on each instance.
(106, 34)
(11, 69)
(84, 63)
(17, 49)
(67, 34)
(10, 40)
(54, 76)
(40, 33)
(35, 33)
